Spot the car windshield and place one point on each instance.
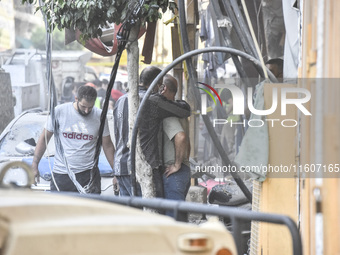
(21, 138)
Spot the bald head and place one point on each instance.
(170, 88)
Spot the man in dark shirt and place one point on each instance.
(156, 109)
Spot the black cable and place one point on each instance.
(228, 43)
(122, 38)
(235, 59)
(239, 32)
(206, 119)
(167, 69)
(241, 28)
(244, 27)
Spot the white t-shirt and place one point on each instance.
(172, 126)
(78, 136)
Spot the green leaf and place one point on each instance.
(79, 4)
(87, 15)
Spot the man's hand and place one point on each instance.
(36, 174)
(39, 151)
(171, 169)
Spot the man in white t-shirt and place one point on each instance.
(78, 125)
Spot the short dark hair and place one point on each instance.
(170, 83)
(87, 92)
(105, 81)
(148, 75)
(98, 83)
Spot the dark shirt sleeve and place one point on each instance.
(166, 108)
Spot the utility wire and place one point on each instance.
(123, 34)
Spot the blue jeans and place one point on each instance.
(177, 185)
(125, 185)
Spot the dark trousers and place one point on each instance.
(64, 182)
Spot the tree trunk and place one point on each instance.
(143, 169)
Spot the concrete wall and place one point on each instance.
(6, 100)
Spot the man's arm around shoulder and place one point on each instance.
(168, 108)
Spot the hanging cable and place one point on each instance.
(206, 119)
(49, 78)
(132, 18)
(52, 104)
(234, 13)
(241, 34)
(243, 26)
(235, 58)
(254, 38)
(228, 43)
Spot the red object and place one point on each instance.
(115, 94)
(209, 184)
(95, 45)
(91, 85)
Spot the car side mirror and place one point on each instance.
(25, 148)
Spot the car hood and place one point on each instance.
(40, 223)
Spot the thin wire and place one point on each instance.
(52, 104)
(49, 45)
(123, 35)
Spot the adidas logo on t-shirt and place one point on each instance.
(78, 136)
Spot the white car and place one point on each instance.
(39, 223)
